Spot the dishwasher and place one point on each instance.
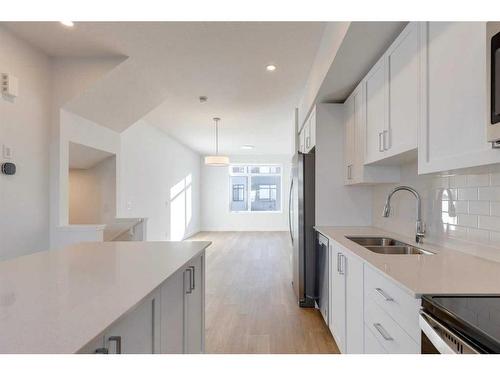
(322, 285)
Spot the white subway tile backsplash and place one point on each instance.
(458, 181)
(478, 235)
(479, 207)
(495, 208)
(457, 232)
(467, 220)
(491, 193)
(495, 179)
(489, 223)
(465, 206)
(477, 180)
(467, 194)
(461, 207)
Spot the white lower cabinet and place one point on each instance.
(369, 313)
(346, 300)
(169, 320)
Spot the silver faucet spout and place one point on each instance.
(420, 226)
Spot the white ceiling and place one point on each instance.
(171, 64)
(84, 157)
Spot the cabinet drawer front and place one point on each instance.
(387, 332)
(372, 346)
(402, 307)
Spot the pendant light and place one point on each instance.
(217, 160)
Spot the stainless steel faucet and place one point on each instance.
(420, 226)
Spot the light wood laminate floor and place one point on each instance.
(250, 303)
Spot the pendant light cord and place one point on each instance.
(216, 119)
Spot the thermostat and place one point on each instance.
(9, 168)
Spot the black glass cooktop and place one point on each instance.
(475, 317)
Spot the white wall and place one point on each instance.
(92, 193)
(336, 204)
(160, 180)
(332, 38)
(215, 199)
(24, 126)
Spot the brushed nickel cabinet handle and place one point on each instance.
(193, 284)
(387, 297)
(385, 137)
(383, 332)
(189, 288)
(380, 149)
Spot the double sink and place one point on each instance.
(389, 246)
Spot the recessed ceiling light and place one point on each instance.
(271, 68)
(68, 23)
(247, 147)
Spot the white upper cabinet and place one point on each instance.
(403, 91)
(376, 112)
(355, 172)
(392, 98)
(307, 136)
(454, 97)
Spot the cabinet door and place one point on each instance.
(349, 141)
(354, 303)
(324, 282)
(359, 142)
(403, 66)
(194, 317)
(172, 317)
(138, 332)
(453, 124)
(376, 112)
(338, 299)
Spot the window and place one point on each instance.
(255, 188)
(238, 192)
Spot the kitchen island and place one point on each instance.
(111, 297)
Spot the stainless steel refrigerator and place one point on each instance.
(301, 219)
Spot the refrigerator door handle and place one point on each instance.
(290, 211)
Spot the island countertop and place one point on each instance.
(448, 271)
(57, 301)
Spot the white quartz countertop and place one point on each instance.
(448, 271)
(57, 301)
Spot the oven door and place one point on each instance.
(437, 339)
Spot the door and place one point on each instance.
(338, 298)
(194, 306)
(172, 307)
(403, 91)
(376, 112)
(138, 332)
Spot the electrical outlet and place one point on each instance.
(129, 205)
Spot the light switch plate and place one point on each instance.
(6, 152)
(9, 85)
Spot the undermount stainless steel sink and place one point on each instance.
(385, 245)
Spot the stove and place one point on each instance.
(460, 324)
